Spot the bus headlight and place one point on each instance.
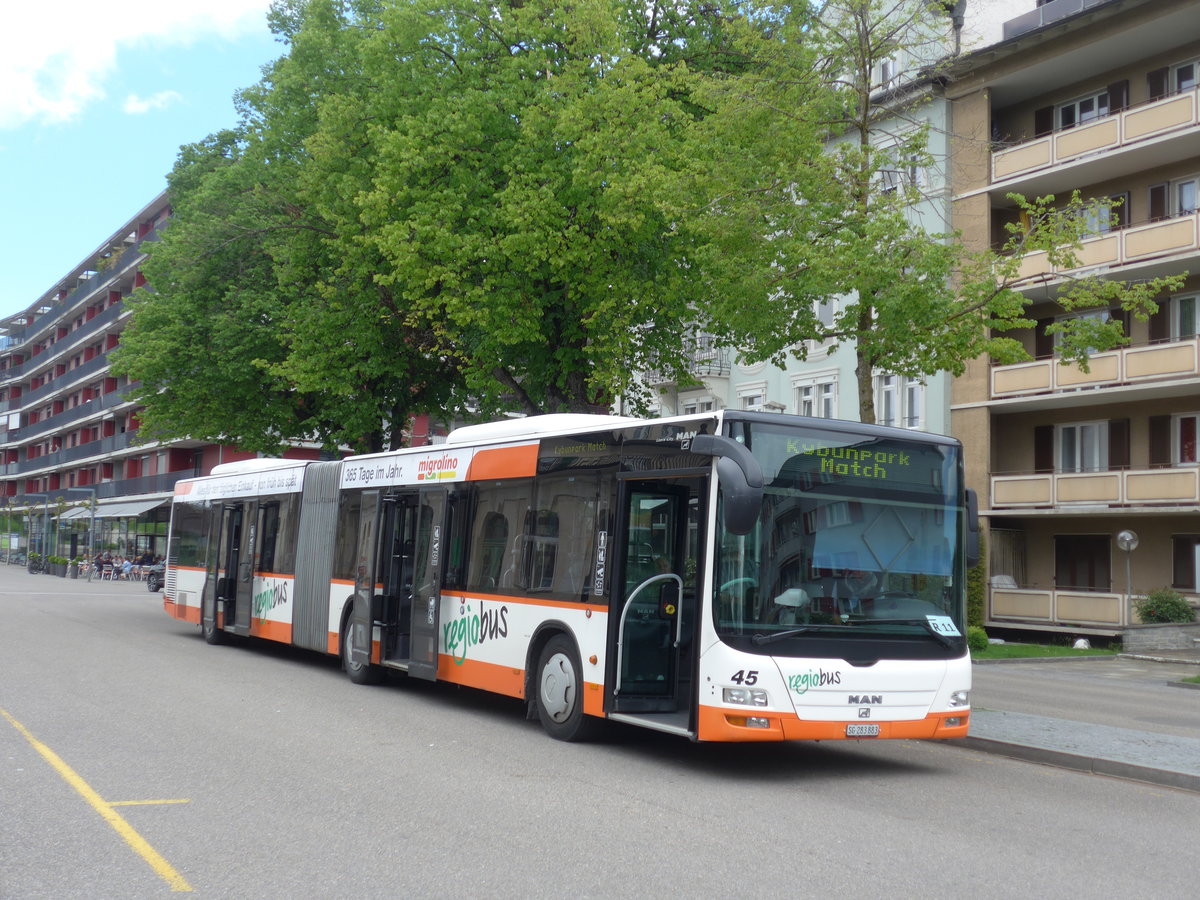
(960, 698)
(745, 696)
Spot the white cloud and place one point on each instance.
(55, 57)
(136, 106)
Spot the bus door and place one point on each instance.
(235, 564)
(657, 597)
(407, 581)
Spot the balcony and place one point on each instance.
(1135, 139)
(1085, 491)
(704, 360)
(1098, 611)
(1150, 363)
(1147, 250)
(1046, 14)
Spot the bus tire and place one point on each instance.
(558, 691)
(359, 673)
(212, 634)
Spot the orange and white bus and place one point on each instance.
(732, 576)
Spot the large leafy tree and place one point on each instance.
(432, 205)
(532, 169)
(804, 246)
(262, 326)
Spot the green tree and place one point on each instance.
(532, 167)
(265, 323)
(829, 246)
(432, 205)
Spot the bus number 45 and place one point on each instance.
(741, 676)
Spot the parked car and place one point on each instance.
(155, 577)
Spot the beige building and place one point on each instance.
(1098, 96)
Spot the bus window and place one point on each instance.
(540, 549)
(268, 531)
(495, 544)
(492, 542)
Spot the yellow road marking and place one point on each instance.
(161, 867)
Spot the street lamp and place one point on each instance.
(1128, 540)
(92, 519)
(45, 525)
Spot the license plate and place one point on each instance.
(862, 731)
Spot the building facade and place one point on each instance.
(68, 433)
(1099, 97)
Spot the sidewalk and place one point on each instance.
(1097, 746)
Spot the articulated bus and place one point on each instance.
(733, 576)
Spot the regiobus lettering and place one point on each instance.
(600, 568)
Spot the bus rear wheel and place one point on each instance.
(360, 673)
(558, 692)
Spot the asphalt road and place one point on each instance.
(1123, 693)
(285, 780)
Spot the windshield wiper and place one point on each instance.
(760, 639)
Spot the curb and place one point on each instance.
(1092, 765)
(1043, 659)
(1162, 659)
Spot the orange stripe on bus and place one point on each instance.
(525, 601)
(720, 724)
(271, 631)
(503, 462)
(181, 612)
(506, 680)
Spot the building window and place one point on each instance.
(1185, 563)
(899, 401)
(699, 405)
(1106, 213)
(817, 398)
(1083, 447)
(1184, 77)
(1085, 109)
(1183, 317)
(1183, 439)
(752, 401)
(889, 69)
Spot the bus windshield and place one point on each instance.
(858, 539)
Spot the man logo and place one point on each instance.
(856, 699)
(864, 713)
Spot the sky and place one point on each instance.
(95, 101)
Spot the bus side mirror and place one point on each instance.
(971, 549)
(741, 480)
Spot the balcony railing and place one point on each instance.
(1115, 488)
(66, 344)
(1130, 126)
(1128, 365)
(704, 359)
(1085, 609)
(150, 484)
(103, 447)
(84, 410)
(1178, 236)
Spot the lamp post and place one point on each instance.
(91, 519)
(45, 525)
(1128, 540)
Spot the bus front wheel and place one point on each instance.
(559, 691)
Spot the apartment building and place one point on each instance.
(68, 432)
(1100, 97)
